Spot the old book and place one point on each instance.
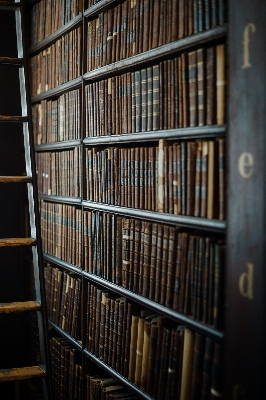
(197, 374)
(221, 144)
(206, 179)
(193, 89)
(146, 258)
(187, 365)
(158, 266)
(198, 180)
(133, 347)
(190, 192)
(220, 83)
(216, 388)
(161, 176)
(210, 86)
(207, 368)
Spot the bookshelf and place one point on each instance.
(223, 232)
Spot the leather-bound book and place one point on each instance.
(153, 261)
(170, 280)
(146, 258)
(205, 197)
(207, 369)
(161, 175)
(220, 83)
(133, 347)
(149, 107)
(221, 145)
(214, 13)
(207, 14)
(165, 355)
(139, 351)
(137, 245)
(211, 100)
(187, 365)
(131, 254)
(155, 23)
(126, 252)
(141, 257)
(198, 180)
(191, 161)
(217, 375)
(218, 285)
(198, 360)
(181, 19)
(158, 266)
(155, 98)
(136, 188)
(193, 89)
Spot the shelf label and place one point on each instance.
(249, 28)
(245, 282)
(245, 165)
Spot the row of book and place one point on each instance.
(186, 178)
(59, 172)
(163, 359)
(58, 119)
(59, 63)
(185, 91)
(47, 16)
(67, 376)
(66, 370)
(63, 299)
(182, 271)
(136, 26)
(61, 231)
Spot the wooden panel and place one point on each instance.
(12, 242)
(17, 374)
(6, 308)
(11, 179)
(245, 355)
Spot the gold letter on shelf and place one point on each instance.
(245, 282)
(248, 28)
(245, 164)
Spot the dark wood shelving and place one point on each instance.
(9, 5)
(13, 118)
(118, 376)
(11, 61)
(58, 145)
(57, 91)
(213, 225)
(176, 316)
(77, 344)
(168, 312)
(61, 199)
(211, 131)
(99, 7)
(62, 263)
(157, 54)
(49, 40)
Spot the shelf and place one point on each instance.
(61, 199)
(62, 263)
(6, 308)
(213, 225)
(13, 118)
(176, 316)
(116, 375)
(17, 374)
(15, 179)
(58, 145)
(57, 91)
(15, 242)
(100, 7)
(74, 23)
(77, 344)
(11, 61)
(9, 5)
(157, 54)
(211, 131)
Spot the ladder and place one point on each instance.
(33, 242)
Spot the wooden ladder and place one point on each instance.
(34, 242)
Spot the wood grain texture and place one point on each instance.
(17, 374)
(13, 179)
(13, 242)
(6, 308)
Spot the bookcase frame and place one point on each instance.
(245, 226)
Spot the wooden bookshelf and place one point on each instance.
(226, 231)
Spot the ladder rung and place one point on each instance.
(17, 374)
(13, 118)
(6, 308)
(13, 179)
(9, 5)
(11, 61)
(12, 242)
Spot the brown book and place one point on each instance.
(126, 252)
(155, 24)
(185, 89)
(146, 351)
(165, 252)
(198, 180)
(155, 98)
(161, 175)
(137, 244)
(146, 19)
(153, 261)
(197, 373)
(136, 193)
(171, 267)
(133, 347)
(158, 266)
(217, 381)
(220, 83)
(210, 86)
(207, 368)
(190, 192)
(139, 351)
(221, 144)
(181, 21)
(206, 180)
(201, 78)
(187, 365)
(146, 258)
(193, 90)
